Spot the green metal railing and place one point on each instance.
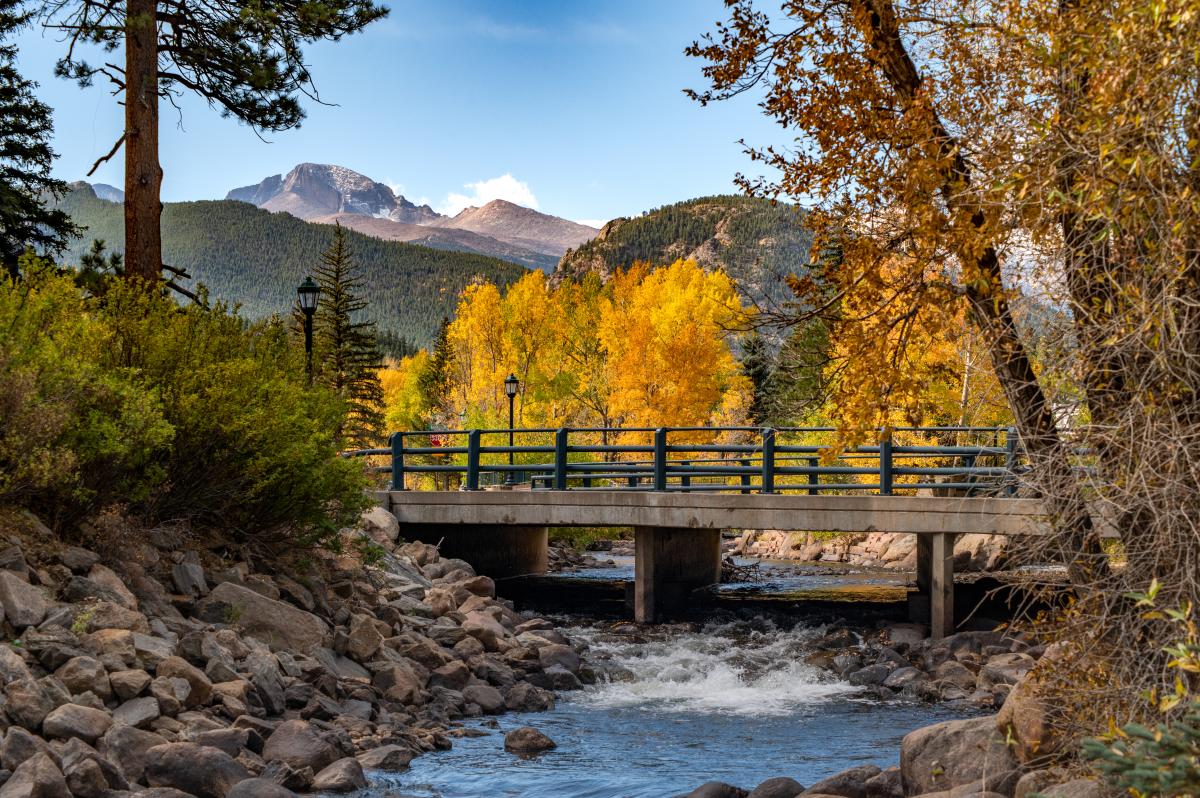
(981, 460)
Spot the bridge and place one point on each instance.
(489, 496)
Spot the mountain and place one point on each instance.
(526, 227)
(757, 242)
(255, 258)
(442, 238)
(106, 192)
(323, 193)
(313, 190)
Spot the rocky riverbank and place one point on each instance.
(874, 550)
(160, 673)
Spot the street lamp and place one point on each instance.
(309, 292)
(511, 384)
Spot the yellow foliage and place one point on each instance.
(651, 348)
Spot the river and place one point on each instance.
(679, 706)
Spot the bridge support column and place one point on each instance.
(498, 551)
(669, 564)
(935, 584)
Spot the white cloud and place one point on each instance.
(591, 222)
(505, 187)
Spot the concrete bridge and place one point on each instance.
(679, 495)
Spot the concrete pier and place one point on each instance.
(495, 550)
(669, 564)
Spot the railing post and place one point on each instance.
(885, 462)
(685, 478)
(768, 463)
(473, 460)
(813, 477)
(1010, 460)
(745, 476)
(560, 458)
(660, 459)
(397, 460)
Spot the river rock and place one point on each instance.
(524, 697)
(138, 712)
(73, 720)
(80, 674)
(298, 744)
(260, 788)
(344, 775)
(851, 783)
(485, 629)
(886, 784)
(1027, 718)
(200, 691)
(19, 745)
(281, 626)
(717, 789)
(527, 740)
(392, 758)
(24, 604)
(37, 777)
(557, 654)
(381, 526)
(945, 755)
(779, 787)
(126, 747)
(197, 769)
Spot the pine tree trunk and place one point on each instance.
(143, 174)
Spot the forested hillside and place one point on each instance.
(756, 242)
(257, 258)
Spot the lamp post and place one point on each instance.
(511, 384)
(309, 292)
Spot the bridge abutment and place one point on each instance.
(669, 564)
(497, 550)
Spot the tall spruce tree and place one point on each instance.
(26, 185)
(758, 367)
(345, 347)
(244, 57)
(437, 379)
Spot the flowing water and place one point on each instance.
(676, 707)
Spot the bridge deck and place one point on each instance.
(850, 513)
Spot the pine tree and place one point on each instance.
(758, 367)
(436, 381)
(346, 350)
(25, 158)
(245, 59)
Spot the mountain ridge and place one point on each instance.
(499, 228)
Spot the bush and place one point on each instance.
(1163, 759)
(183, 413)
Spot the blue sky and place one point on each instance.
(573, 107)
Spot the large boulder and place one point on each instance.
(381, 526)
(716, 789)
(126, 747)
(178, 667)
(37, 777)
(298, 744)
(24, 604)
(72, 720)
(197, 769)
(945, 755)
(386, 757)
(344, 775)
(279, 625)
(1027, 718)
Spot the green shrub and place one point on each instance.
(1162, 759)
(179, 412)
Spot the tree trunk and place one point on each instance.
(143, 175)
(1078, 541)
